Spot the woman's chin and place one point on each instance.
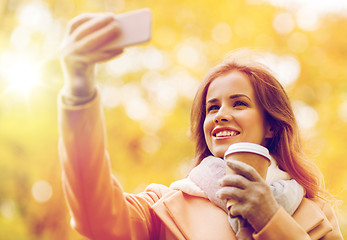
(220, 153)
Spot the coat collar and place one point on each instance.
(190, 217)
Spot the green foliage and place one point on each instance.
(188, 38)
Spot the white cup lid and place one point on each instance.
(248, 147)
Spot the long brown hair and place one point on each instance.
(285, 146)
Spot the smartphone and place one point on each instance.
(136, 27)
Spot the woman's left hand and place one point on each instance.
(254, 199)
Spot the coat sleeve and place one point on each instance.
(313, 220)
(282, 226)
(331, 217)
(99, 208)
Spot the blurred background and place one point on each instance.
(147, 93)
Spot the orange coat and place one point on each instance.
(101, 211)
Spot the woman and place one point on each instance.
(280, 133)
(235, 102)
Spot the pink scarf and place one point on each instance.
(203, 182)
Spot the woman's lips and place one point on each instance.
(224, 133)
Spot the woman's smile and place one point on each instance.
(224, 133)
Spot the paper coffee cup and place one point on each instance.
(252, 154)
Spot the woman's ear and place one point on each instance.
(269, 132)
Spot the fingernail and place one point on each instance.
(217, 194)
(229, 161)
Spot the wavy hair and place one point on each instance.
(285, 146)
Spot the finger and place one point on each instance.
(95, 57)
(235, 210)
(99, 38)
(233, 193)
(233, 180)
(244, 169)
(92, 25)
(104, 55)
(79, 20)
(107, 55)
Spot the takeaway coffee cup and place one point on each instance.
(252, 154)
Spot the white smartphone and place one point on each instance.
(136, 27)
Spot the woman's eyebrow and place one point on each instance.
(239, 96)
(213, 100)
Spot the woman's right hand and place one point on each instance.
(82, 48)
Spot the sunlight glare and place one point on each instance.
(21, 73)
(20, 37)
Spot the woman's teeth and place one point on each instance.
(226, 133)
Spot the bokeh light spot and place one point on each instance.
(153, 59)
(42, 191)
(306, 19)
(36, 15)
(188, 56)
(110, 96)
(298, 42)
(286, 67)
(7, 208)
(306, 116)
(128, 62)
(316, 7)
(185, 83)
(221, 33)
(342, 111)
(284, 23)
(136, 108)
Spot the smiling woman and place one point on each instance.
(237, 101)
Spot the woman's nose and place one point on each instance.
(222, 116)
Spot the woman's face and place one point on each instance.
(233, 114)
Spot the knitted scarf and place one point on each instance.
(203, 182)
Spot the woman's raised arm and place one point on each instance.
(82, 48)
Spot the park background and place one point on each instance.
(147, 93)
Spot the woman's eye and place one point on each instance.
(240, 104)
(212, 108)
